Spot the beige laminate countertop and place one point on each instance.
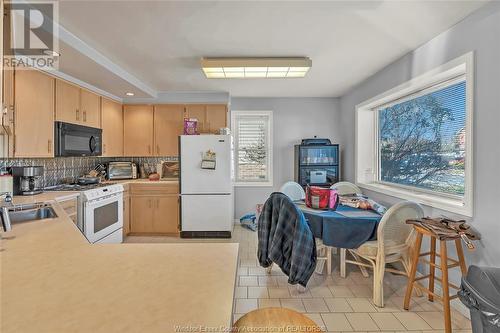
(66, 195)
(53, 280)
(144, 181)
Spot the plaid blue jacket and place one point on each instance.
(286, 239)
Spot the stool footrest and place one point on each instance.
(454, 264)
(425, 290)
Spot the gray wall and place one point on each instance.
(480, 33)
(293, 120)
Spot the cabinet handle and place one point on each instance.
(49, 146)
(84, 115)
(77, 114)
(149, 149)
(149, 203)
(104, 148)
(158, 149)
(157, 203)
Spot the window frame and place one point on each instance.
(367, 157)
(234, 115)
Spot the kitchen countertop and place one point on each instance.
(66, 195)
(53, 280)
(44, 197)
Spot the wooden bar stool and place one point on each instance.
(444, 265)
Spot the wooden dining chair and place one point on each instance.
(345, 188)
(393, 244)
(295, 192)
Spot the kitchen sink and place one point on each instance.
(32, 213)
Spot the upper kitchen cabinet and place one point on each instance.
(112, 128)
(198, 111)
(76, 105)
(34, 114)
(68, 102)
(90, 104)
(138, 129)
(168, 125)
(210, 117)
(216, 118)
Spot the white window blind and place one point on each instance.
(422, 139)
(252, 145)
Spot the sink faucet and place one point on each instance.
(5, 211)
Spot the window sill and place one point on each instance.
(253, 184)
(435, 201)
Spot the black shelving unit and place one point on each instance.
(317, 163)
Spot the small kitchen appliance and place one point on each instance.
(122, 170)
(77, 140)
(27, 180)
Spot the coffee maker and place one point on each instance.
(27, 180)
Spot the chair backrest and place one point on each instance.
(344, 188)
(392, 227)
(293, 190)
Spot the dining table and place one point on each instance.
(345, 227)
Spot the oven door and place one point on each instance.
(77, 140)
(103, 217)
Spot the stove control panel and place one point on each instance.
(100, 192)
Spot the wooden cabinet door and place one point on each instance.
(6, 143)
(90, 108)
(68, 102)
(169, 124)
(138, 130)
(199, 112)
(126, 214)
(166, 214)
(216, 118)
(141, 214)
(112, 128)
(34, 114)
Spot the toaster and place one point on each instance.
(122, 170)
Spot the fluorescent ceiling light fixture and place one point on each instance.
(240, 68)
(129, 94)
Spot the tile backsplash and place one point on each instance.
(63, 169)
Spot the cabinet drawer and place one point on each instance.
(154, 189)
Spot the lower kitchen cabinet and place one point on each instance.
(154, 209)
(166, 214)
(142, 214)
(126, 210)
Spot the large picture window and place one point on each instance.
(414, 141)
(422, 139)
(252, 147)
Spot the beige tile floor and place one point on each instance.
(334, 303)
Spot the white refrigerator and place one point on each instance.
(206, 188)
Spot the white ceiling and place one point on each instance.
(160, 43)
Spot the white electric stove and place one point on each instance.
(100, 213)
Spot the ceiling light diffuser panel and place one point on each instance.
(243, 68)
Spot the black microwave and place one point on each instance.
(77, 140)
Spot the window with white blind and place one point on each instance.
(415, 141)
(252, 133)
